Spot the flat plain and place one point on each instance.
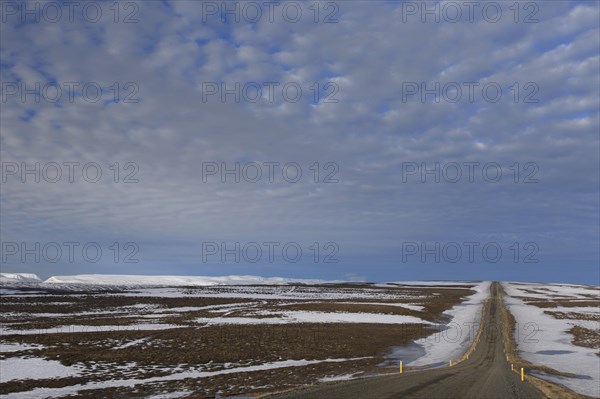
(215, 341)
(256, 340)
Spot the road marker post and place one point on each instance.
(400, 366)
(450, 363)
(522, 374)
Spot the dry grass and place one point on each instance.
(552, 303)
(574, 315)
(585, 337)
(210, 347)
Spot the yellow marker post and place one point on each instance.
(522, 374)
(450, 363)
(512, 367)
(400, 366)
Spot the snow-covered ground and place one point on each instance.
(410, 306)
(450, 344)
(167, 302)
(343, 377)
(542, 339)
(19, 368)
(288, 317)
(9, 348)
(278, 292)
(44, 393)
(227, 308)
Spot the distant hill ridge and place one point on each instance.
(19, 278)
(144, 280)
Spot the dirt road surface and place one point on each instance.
(486, 374)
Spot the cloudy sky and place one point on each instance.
(434, 141)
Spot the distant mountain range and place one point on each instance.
(139, 280)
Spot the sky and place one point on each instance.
(378, 141)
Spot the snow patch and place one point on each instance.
(19, 368)
(11, 347)
(39, 393)
(343, 377)
(288, 317)
(543, 339)
(450, 344)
